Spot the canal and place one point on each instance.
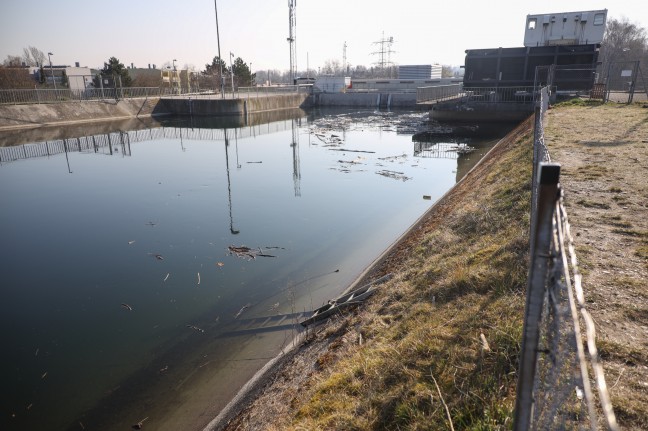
(150, 270)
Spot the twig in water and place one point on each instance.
(241, 310)
(140, 424)
(442, 401)
(195, 328)
(126, 306)
(167, 276)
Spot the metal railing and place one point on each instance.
(37, 96)
(438, 93)
(554, 389)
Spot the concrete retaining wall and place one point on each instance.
(481, 112)
(227, 107)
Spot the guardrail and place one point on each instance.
(438, 93)
(554, 389)
(37, 96)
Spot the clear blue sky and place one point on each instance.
(156, 32)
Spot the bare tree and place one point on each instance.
(623, 41)
(33, 56)
(12, 61)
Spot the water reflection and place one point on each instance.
(200, 319)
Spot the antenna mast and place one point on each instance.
(292, 36)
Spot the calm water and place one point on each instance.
(121, 298)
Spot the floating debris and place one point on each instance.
(195, 328)
(391, 158)
(346, 150)
(427, 197)
(274, 306)
(157, 256)
(150, 223)
(242, 310)
(164, 369)
(394, 175)
(198, 278)
(30, 406)
(44, 375)
(254, 162)
(126, 306)
(246, 252)
(132, 241)
(220, 264)
(37, 350)
(140, 424)
(167, 276)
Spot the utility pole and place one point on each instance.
(292, 39)
(344, 58)
(220, 60)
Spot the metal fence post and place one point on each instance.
(548, 176)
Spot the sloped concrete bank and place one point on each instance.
(39, 115)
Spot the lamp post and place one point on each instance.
(49, 56)
(251, 76)
(173, 77)
(220, 60)
(232, 74)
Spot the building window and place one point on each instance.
(532, 24)
(599, 19)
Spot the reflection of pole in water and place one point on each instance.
(66, 155)
(229, 186)
(238, 165)
(296, 162)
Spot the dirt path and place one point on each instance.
(603, 151)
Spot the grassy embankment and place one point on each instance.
(439, 342)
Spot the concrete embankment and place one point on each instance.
(14, 117)
(231, 107)
(48, 114)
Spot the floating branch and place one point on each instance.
(246, 252)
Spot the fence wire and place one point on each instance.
(563, 370)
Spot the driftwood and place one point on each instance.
(246, 252)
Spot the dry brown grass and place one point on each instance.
(452, 317)
(603, 150)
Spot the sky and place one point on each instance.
(143, 32)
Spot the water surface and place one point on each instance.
(121, 297)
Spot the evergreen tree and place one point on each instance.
(114, 70)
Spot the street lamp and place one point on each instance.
(232, 74)
(49, 56)
(220, 60)
(173, 77)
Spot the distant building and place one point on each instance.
(567, 28)
(79, 78)
(420, 71)
(332, 84)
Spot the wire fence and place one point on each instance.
(554, 386)
(37, 96)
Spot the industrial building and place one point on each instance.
(420, 71)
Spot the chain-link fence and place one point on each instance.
(554, 386)
(624, 80)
